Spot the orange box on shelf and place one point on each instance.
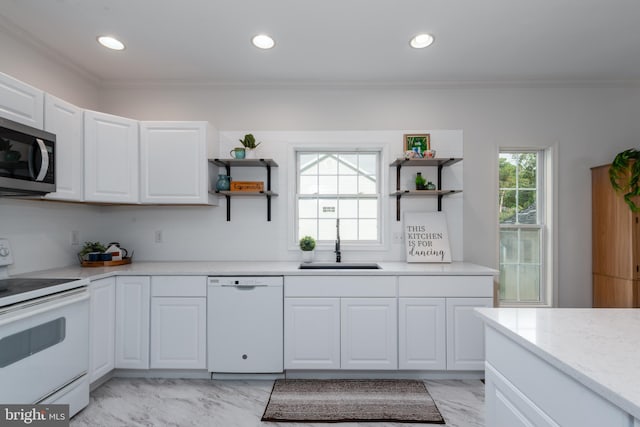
(247, 186)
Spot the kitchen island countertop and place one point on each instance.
(260, 268)
(596, 347)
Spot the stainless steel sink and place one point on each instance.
(339, 266)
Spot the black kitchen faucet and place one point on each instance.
(337, 251)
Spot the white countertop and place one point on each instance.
(597, 347)
(259, 268)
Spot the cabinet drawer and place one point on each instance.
(340, 286)
(179, 286)
(445, 286)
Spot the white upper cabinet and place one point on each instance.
(173, 162)
(65, 121)
(111, 158)
(20, 102)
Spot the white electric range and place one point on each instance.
(44, 339)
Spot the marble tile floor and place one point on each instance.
(124, 402)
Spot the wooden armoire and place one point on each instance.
(616, 245)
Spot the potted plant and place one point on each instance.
(249, 143)
(624, 174)
(91, 248)
(307, 245)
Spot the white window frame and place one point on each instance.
(546, 202)
(347, 147)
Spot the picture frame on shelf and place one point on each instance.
(417, 142)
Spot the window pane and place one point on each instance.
(348, 229)
(508, 282)
(507, 206)
(348, 184)
(530, 246)
(307, 208)
(527, 211)
(308, 164)
(307, 227)
(368, 208)
(328, 208)
(507, 171)
(367, 185)
(508, 246)
(368, 229)
(308, 185)
(529, 285)
(348, 208)
(527, 165)
(328, 184)
(327, 229)
(368, 164)
(328, 165)
(348, 164)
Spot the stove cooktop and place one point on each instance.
(18, 289)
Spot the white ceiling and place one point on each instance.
(338, 41)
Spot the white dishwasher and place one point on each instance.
(244, 324)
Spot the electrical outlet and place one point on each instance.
(75, 237)
(158, 236)
(398, 237)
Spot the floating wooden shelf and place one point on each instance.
(439, 162)
(266, 163)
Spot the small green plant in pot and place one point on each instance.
(624, 174)
(90, 247)
(307, 245)
(249, 143)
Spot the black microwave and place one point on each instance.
(27, 160)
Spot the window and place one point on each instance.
(522, 218)
(341, 185)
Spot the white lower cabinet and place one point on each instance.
(102, 326)
(312, 333)
(465, 334)
(133, 295)
(178, 322)
(422, 334)
(368, 336)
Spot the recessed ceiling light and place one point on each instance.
(263, 41)
(110, 42)
(421, 41)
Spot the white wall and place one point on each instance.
(589, 125)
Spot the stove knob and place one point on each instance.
(4, 252)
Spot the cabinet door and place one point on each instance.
(178, 333)
(465, 334)
(20, 102)
(65, 121)
(422, 333)
(173, 162)
(132, 322)
(102, 326)
(506, 406)
(111, 158)
(368, 333)
(312, 333)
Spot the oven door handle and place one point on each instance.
(42, 305)
(44, 165)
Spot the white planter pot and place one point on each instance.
(250, 154)
(307, 256)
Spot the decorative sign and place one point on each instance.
(426, 237)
